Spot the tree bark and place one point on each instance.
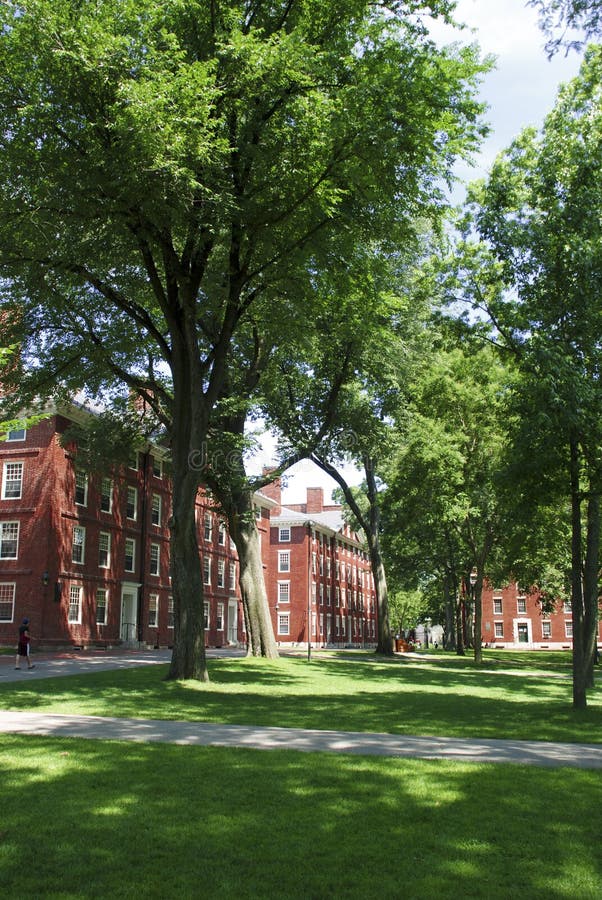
(579, 668)
(590, 586)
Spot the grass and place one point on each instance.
(83, 819)
(448, 696)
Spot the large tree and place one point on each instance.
(167, 166)
(539, 214)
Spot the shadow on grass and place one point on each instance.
(116, 820)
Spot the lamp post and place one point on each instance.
(427, 625)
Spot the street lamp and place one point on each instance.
(427, 625)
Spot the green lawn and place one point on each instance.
(507, 698)
(83, 819)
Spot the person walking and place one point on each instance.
(23, 646)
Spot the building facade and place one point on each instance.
(86, 558)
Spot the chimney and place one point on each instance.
(273, 490)
(315, 500)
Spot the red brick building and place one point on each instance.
(86, 558)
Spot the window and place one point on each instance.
(131, 509)
(156, 510)
(207, 526)
(206, 614)
(499, 629)
(321, 565)
(284, 535)
(155, 554)
(521, 605)
(284, 592)
(313, 563)
(221, 573)
(75, 604)
(497, 606)
(101, 606)
(133, 460)
(170, 612)
(106, 495)
(81, 488)
(7, 602)
(283, 623)
(78, 546)
(9, 540)
(130, 554)
(566, 607)
(157, 467)
(221, 534)
(206, 570)
(16, 434)
(232, 577)
(284, 561)
(546, 630)
(153, 610)
(12, 481)
(568, 629)
(219, 621)
(104, 550)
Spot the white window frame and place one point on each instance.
(284, 592)
(9, 477)
(104, 537)
(219, 619)
(207, 570)
(156, 510)
(284, 535)
(206, 614)
(546, 629)
(153, 610)
(497, 606)
(221, 573)
(81, 531)
(105, 605)
(207, 526)
(171, 612)
(16, 434)
(232, 576)
(9, 534)
(498, 630)
(283, 623)
(74, 615)
(8, 590)
(134, 461)
(284, 560)
(131, 507)
(221, 534)
(106, 494)
(154, 559)
(81, 488)
(568, 628)
(521, 606)
(131, 542)
(157, 466)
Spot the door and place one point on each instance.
(232, 622)
(523, 633)
(129, 615)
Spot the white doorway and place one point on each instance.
(232, 622)
(128, 629)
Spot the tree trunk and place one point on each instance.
(477, 596)
(449, 640)
(258, 622)
(579, 667)
(590, 586)
(385, 638)
(460, 645)
(188, 656)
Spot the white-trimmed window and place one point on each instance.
(170, 612)
(546, 630)
(321, 564)
(16, 434)
(106, 495)
(207, 526)
(206, 614)
(133, 460)
(497, 606)
(232, 576)
(221, 573)
(9, 540)
(337, 625)
(221, 534)
(284, 592)
(568, 629)
(153, 610)
(206, 570)
(155, 557)
(219, 621)
(104, 550)
(101, 606)
(75, 604)
(157, 466)
(566, 607)
(314, 562)
(7, 601)
(284, 535)
(12, 480)
(284, 561)
(499, 629)
(131, 506)
(130, 554)
(521, 605)
(283, 623)
(156, 509)
(78, 546)
(81, 488)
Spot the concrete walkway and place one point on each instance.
(539, 753)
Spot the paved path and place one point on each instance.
(538, 753)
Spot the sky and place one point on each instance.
(519, 92)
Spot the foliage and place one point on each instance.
(565, 16)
